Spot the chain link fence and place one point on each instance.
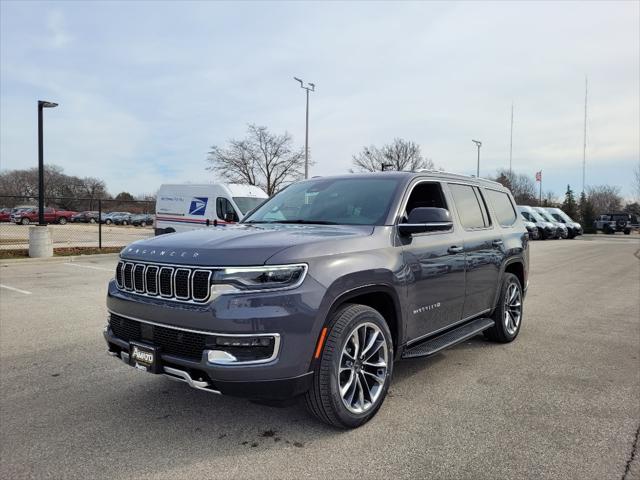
(76, 223)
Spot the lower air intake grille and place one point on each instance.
(171, 341)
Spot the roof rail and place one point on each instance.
(458, 175)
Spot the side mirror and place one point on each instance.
(230, 217)
(426, 219)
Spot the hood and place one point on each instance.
(235, 245)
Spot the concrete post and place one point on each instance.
(40, 243)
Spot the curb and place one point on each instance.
(62, 259)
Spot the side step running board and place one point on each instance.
(448, 339)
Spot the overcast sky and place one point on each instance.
(145, 88)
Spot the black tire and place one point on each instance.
(323, 399)
(499, 332)
(627, 231)
(62, 221)
(108, 221)
(25, 221)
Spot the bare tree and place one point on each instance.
(604, 198)
(398, 155)
(265, 159)
(522, 186)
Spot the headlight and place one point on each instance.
(267, 277)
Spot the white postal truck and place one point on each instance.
(184, 207)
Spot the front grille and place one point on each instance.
(178, 283)
(171, 341)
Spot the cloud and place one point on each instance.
(58, 36)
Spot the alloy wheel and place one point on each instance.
(512, 308)
(363, 368)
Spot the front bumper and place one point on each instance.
(199, 376)
(293, 316)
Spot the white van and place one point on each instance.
(184, 207)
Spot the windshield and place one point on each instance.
(532, 216)
(562, 216)
(246, 204)
(546, 216)
(340, 201)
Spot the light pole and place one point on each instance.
(41, 105)
(478, 144)
(309, 87)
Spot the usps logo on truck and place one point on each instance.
(198, 205)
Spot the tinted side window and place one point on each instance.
(505, 214)
(467, 205)
(223, 208)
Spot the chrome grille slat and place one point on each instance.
(138, 278)
(165, 281)
(151, 279)
(128, 276)
(181, 278)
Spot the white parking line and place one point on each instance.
(14, 289)
(90, 267)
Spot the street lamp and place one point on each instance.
(310, 87)
(478, 144)
(41, 105)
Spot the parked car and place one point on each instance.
(109, 218)
(142, 220)
(184, 207)
(546, 229)
(320, 289)
(561, 229)
(531, 229)
(573, 227)
(122, 218)
(85, 217)
(613, 222)
(5, 214)
(51, 215)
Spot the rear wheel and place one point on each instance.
(108, 221)
(508, 313)
(627, 231)
(62, 220)
(124, 222)
(92, 220)
(25, 221)
(143, 224)
(353, 375)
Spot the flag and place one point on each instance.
(539, 176)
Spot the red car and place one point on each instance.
(5, 214)
(51, 215)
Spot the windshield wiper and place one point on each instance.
(311, 222)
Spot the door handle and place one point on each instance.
(497, 243)
(455, 249)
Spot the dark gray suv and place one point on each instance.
(321, 288)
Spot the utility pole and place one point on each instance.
(511, 144)
(584, 144)
(478, 144)
(310, 87)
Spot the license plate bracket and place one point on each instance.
(145, 357)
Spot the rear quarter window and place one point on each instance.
(503, 208)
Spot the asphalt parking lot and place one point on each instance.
(562, 401)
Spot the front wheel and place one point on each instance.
(508, 312)
(62, 221)
(92, 220)
(627, 231)
(354, 371)
(108, 221)
(25, 221)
